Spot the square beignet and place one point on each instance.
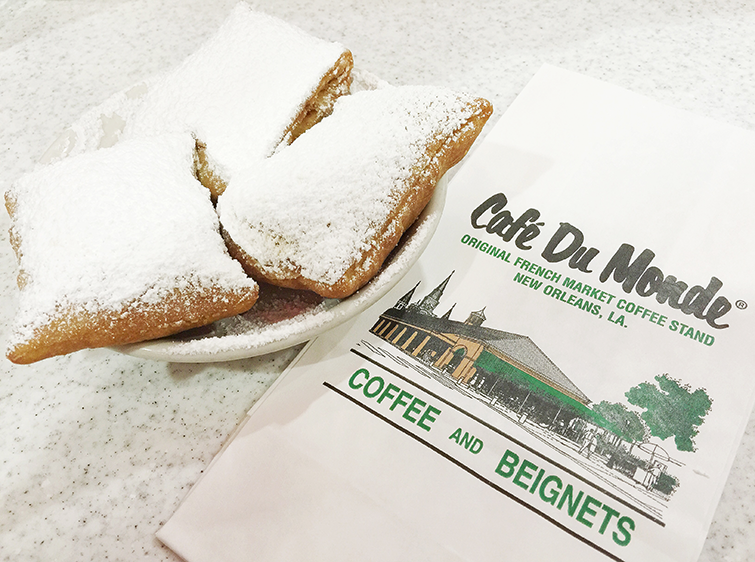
(259, 82)
(118, 246)
(323, 213)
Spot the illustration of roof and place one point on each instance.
(519, 350)
(524, 351)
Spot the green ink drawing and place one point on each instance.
(513, 376)
(671, 409)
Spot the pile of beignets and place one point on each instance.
(252, 161)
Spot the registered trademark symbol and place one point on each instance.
(741, 305)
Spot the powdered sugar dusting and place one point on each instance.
(241, 90)
(236, 337)
(171, 102)
(365, 80)
(122, 223)
(317, 205)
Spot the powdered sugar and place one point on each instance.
(316, 206)
(241, 90)
(105, 228)
(173, 102)
(236, 337)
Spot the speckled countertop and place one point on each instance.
(97, 449)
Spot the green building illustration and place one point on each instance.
(498, 363)
(513, 375)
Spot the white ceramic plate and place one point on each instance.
(281, 318)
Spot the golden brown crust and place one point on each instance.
(334, 83)
(206, 173)
(78, 328)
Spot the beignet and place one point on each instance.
(323, 213)
(118, 246)
(259, 82)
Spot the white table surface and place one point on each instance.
(97, 449)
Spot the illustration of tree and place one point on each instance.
(623, 422)
(671, 409)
